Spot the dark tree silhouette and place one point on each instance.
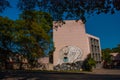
(67, 9)
(71, 9)
(116, 49)
(4, 4)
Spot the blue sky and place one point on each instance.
(104, 26)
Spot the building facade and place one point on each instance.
(73, 44)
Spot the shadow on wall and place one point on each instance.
(69, 66)
(87, 64)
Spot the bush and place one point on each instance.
(89, 63)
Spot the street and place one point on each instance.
(38, 75)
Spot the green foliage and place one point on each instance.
(4, 4)
(106, 55)
(35, 32)
(30, 35)
(89, 63)
(71, 9)
(116, 49)
(67, 9)
(6, 33)
(6, 39)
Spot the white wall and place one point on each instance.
(71, 33)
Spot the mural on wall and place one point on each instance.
(69, 58)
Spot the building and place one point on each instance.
(115, 57)
(73, 45)
(113, 61)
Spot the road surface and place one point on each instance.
(38, 75)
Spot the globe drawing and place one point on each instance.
(69, 54)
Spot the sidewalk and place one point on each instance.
(106, 71)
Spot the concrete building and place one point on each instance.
(73, 44)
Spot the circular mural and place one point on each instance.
(69, 54)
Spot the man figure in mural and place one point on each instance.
(70, 54)
(70, 57)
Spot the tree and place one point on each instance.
(6, 39)
(33, 33)
(67, 9)
(30, 35)
(89, 63)
(106, 54)
(116, 49)
(71, 9)
(39, 25)
(4, 4)
(106, 57)
(6, 33)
